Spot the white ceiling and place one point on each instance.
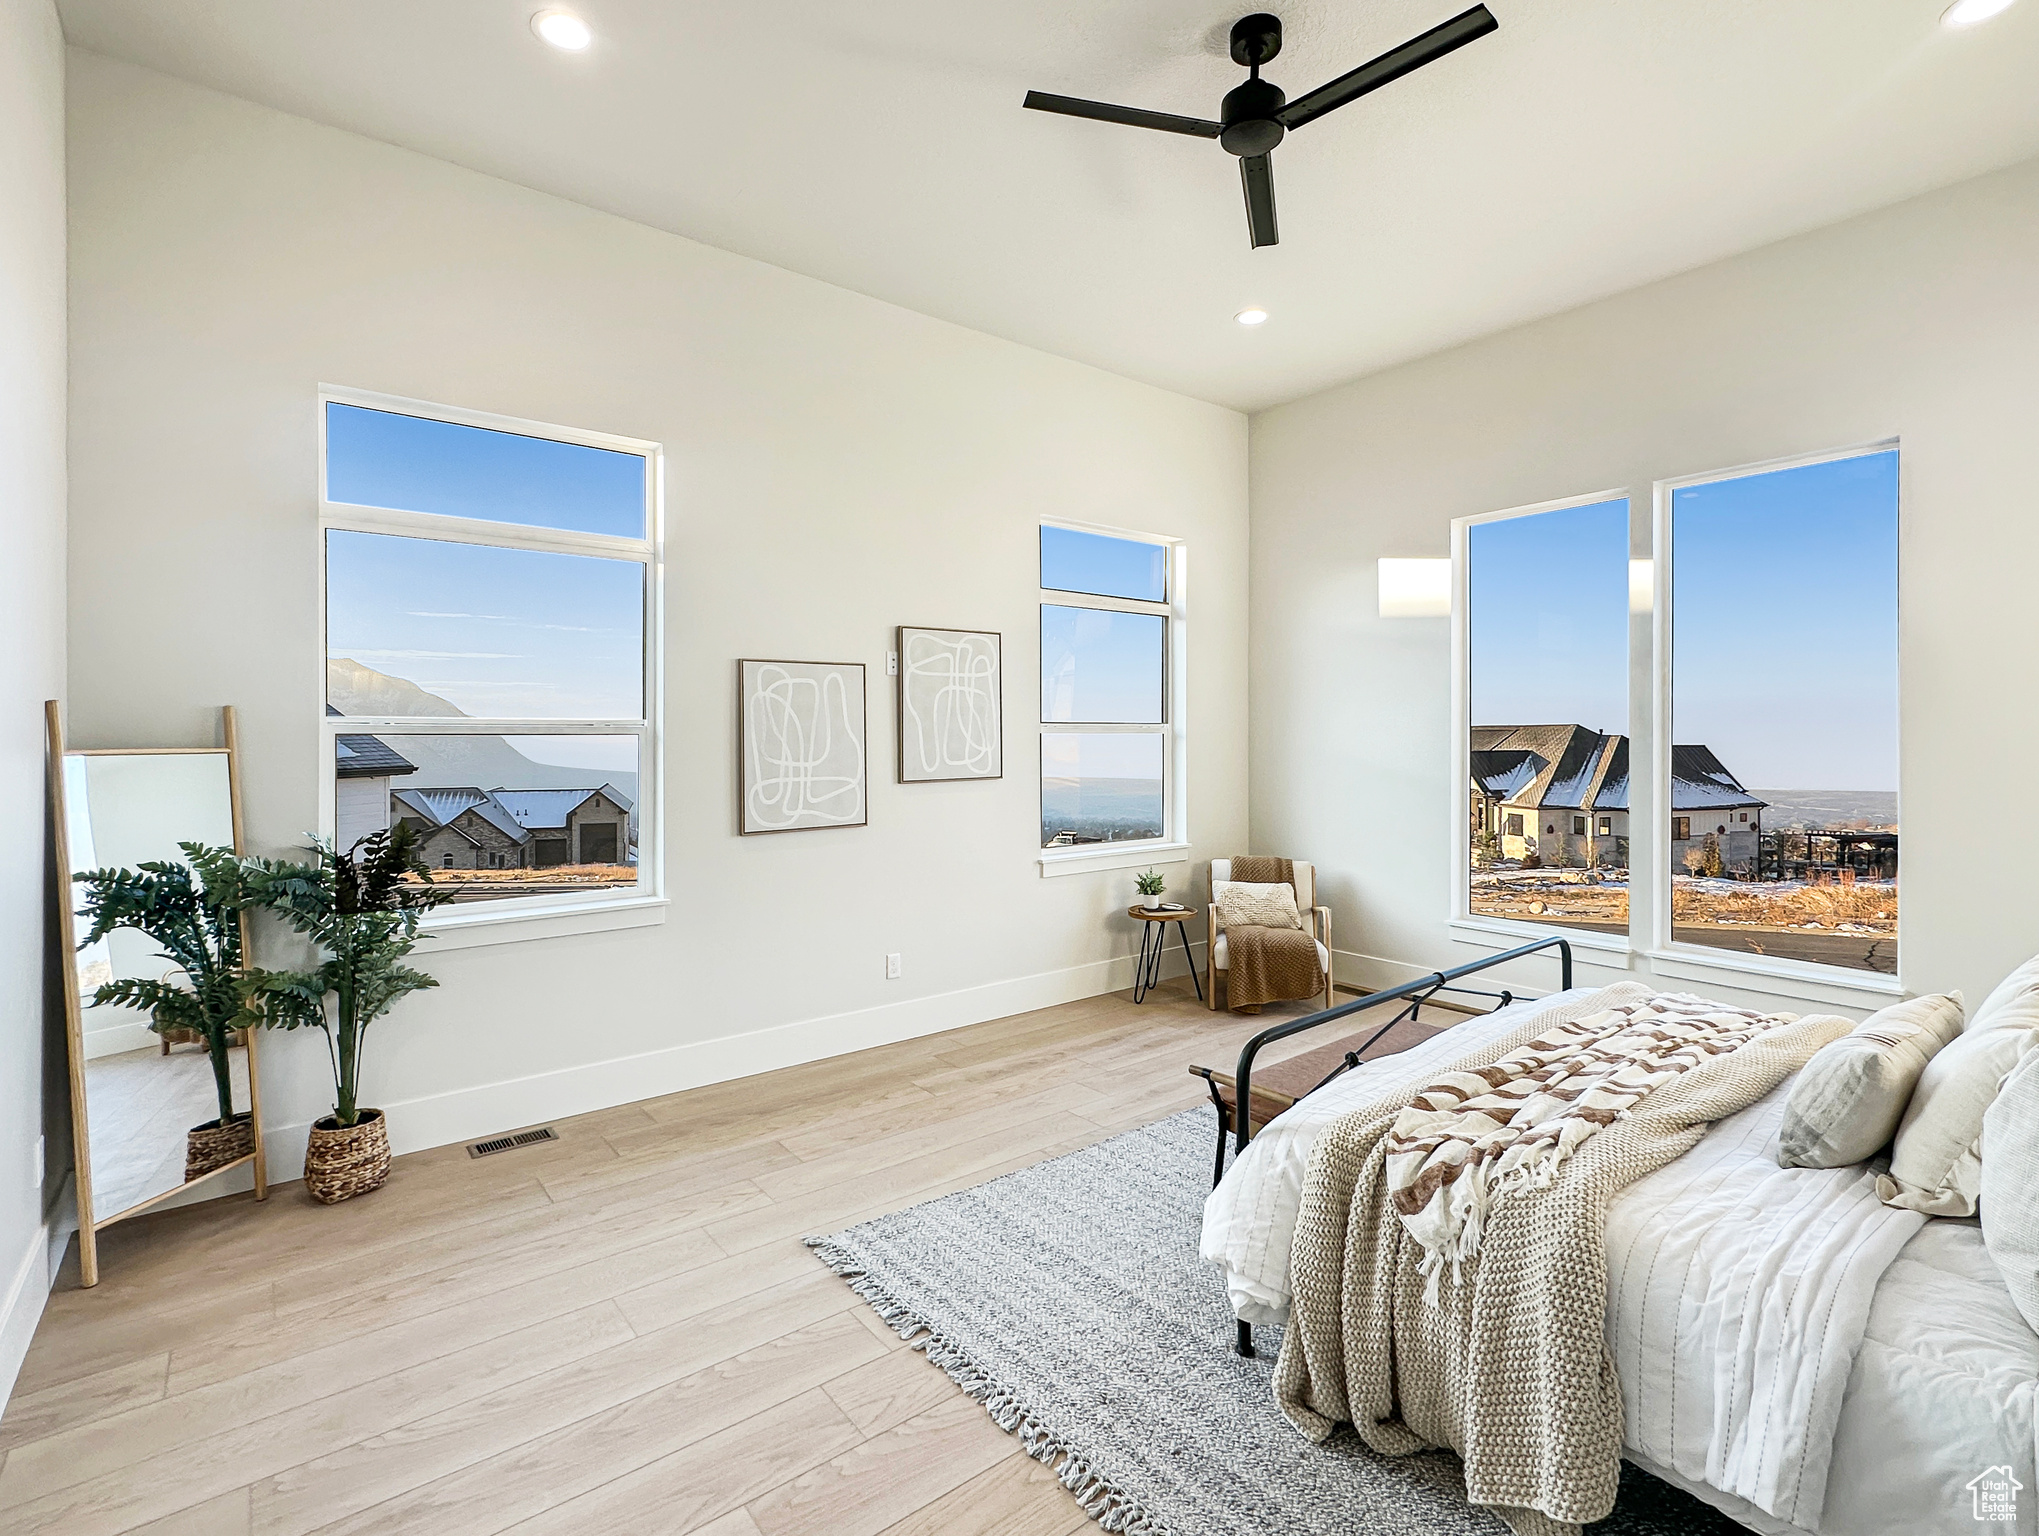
(1589, 146)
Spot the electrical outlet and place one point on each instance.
(891, 663)
(891, 967)
(36, 1181)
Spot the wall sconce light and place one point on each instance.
(1415, 589)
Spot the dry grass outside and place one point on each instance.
(1859, 908)
(1560, 897)
(593, 876)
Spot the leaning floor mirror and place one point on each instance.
(164, 1090)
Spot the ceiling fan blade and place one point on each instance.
(1392, 65)
(1132, 117)
(1256, 175)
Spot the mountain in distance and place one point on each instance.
(1101, 808)
(452, 762)
(1863, 810)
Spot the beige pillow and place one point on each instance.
(1846, 1102)
(1244, 904)
(1936, 1165)
(2010, 1184)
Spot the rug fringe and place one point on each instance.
(1113, 1509)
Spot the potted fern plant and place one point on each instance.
(361, 908)
(192, 910)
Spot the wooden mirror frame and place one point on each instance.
(90, 1223)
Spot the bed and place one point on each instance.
(1792, 1351)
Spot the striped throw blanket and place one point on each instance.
(1477, 1136)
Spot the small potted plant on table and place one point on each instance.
(361, 908)
(192, 910)
(1151, 885)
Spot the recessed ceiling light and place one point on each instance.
(1253, 316)
(563, 29)
(1969, 13)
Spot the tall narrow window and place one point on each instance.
(491, 602)
(1107, 743)
(1783, 764)
(1546, 692)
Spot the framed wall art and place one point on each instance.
(951, 703)
(803, 759)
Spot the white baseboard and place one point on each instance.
(469, 1114)
(29, 1288)
(117, 1038)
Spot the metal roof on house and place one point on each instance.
(1572, 768)
(548, 809)
(1701, 782)
(442, 806)
(368, 757)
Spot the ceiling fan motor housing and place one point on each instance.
(1249, 116)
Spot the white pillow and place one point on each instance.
(1847, 1101)
(1936, 1165)
(2015, 1000)
(2010, 1184)
(1242, 903)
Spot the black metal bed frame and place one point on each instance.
(1414, 993)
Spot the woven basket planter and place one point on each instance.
(212, 1146)
(342, 1163)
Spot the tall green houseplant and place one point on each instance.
(192, 911)
(362, 913)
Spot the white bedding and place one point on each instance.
(1789, 1348)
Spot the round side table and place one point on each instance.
(1153, 940)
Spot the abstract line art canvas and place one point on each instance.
(951, 700)
(801, 724)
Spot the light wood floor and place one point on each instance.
(621, 1332)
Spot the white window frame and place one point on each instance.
(1701, 962)
(514, 918)
(1464, 925)
(1172, 847)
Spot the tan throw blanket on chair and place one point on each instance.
(1510, 1366)
(1270, 965)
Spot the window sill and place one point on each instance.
(470, 929)
(1776, 978)
(1056, 862)
(1602, 949)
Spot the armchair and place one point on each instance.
(1317, 918)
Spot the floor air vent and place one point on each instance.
(511, 1142)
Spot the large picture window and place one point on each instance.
(1545, 635)
(1783, 704)
(491, 607)
(1108, 613)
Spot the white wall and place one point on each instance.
(31, 643)
(835, 466)
(1920, 320)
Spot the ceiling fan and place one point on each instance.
(1255, 114)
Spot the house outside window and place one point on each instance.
(1111, 661)
(492, 607)
(1541, 624)
(1782, 750)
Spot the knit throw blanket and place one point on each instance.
(1269, 965)
(1510, 1368)
(1475, 1137)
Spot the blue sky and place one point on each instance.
(1785, 623)
(1096, 563)
(1549, 618)
(1101, 755)
(500, 633)
(383, 459)
(1784, 610)
(1098, 665)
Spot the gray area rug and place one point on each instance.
(1069, 1299)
